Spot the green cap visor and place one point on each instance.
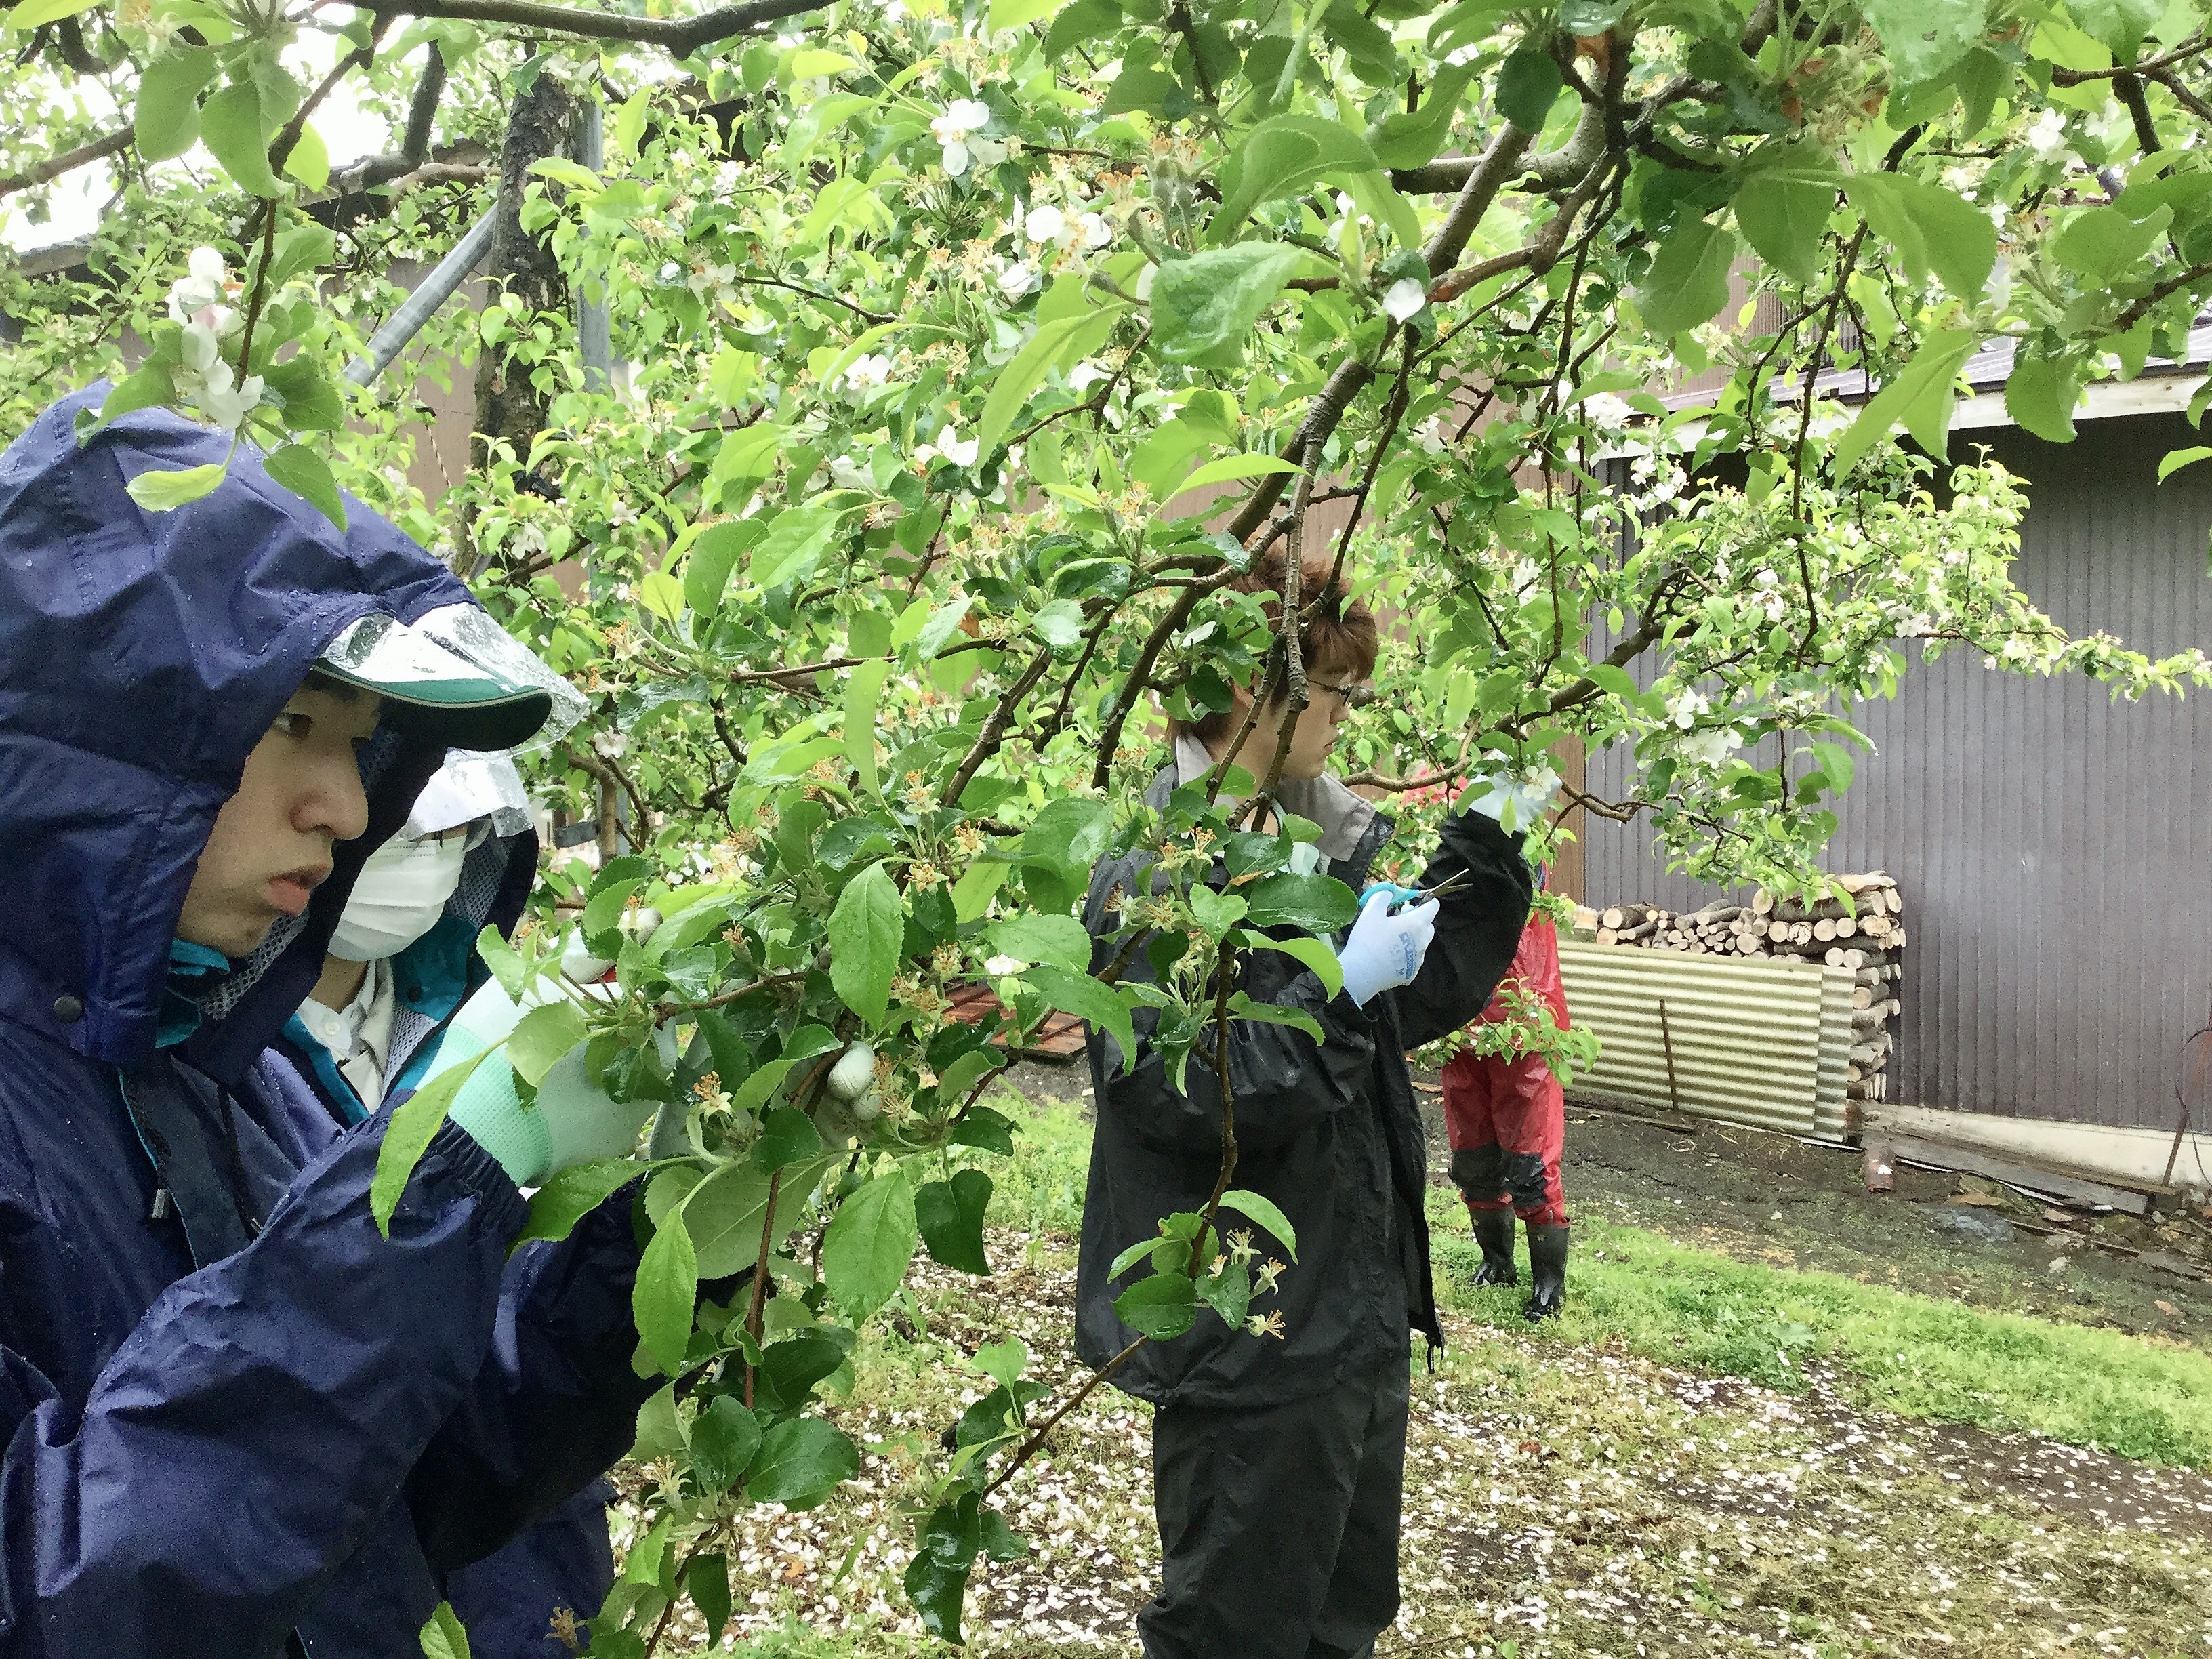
(442, 689)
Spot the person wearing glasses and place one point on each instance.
(1279, 1457)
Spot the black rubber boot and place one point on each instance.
(1494, 1231)
(1548, 1269)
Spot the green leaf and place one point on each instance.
(1060, 342)
(1922, 39)
(2098, 243)
(2120, 24)
(1282, 155)
(541, 1035)
(1227, 1291)
(1085, 998)
(862, 690)
(1314, 904)
(1230, 467)
(163, 491)
(1070, 833)
(666, 1295)
(1019, 14)
(794, 540)
(972, 893)
(1528, 86)
(1934, 228)
(30, 13)
(572, 1194)
(1033, 936)
(412, 1124)
(1204, 306)
(1271, 1014)
(1585, 17)
(867, 930)
(870, 1242)
(1689, 277)
(1004, 1361)
(1254, 1206)
(231, 127)
(443, 1638)
(1215, 912)
(712, 557)
(707, 1581)
(167, 120)
(308, 402)
(725, 1438)
(1162, 1307)
(1059, 624)
(1920, 396)
(310, 160)
(151, 387)
(1411, 138)
(306, 474)
(788, 1137)
(1836, 764)
(724, 1212)
(1140, 87)
(936, 1580)
(1315, 953)
(2040, 395)
(2174, 460)
(799, 1463)
(964, 1073)
(950, 1216)
(1081, 21)
(1783, 205)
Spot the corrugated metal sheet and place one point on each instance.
(1751, 1044)
(2054, 848)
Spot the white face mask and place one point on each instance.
(401, 892)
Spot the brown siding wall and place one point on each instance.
(2054, 847)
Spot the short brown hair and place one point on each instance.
(1342, 631)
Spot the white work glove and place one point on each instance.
(572, 1121)
(1515, 798)
(1384, 950)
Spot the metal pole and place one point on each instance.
(1667, 1037)
(432, 292)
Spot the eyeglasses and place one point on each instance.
(1355, 695)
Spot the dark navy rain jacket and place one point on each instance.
(238, 1422)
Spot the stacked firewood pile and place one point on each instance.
(1869, 942)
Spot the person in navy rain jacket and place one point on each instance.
(402, 959)
(239, 1420)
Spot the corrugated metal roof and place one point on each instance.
(1754, 1039)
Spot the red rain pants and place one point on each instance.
(1508, 1118)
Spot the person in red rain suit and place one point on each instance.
(1507, 1119)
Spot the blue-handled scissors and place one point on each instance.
(1402, 894)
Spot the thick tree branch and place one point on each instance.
(678, 37)
(67, 162)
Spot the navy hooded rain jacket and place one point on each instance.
(238, 1422)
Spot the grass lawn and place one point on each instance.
(1703, 1457)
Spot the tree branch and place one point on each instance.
(67, 162)
(678, 37)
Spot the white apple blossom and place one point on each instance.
(962, 119)
(222, 401)
(870, 369)
(196, 297)
(960, 451)
(1019, 278)
(1429, 436)
(1712, 745)
(1405, 298)
(1097, 230)
(1085, 376)
(1000, 966)
(848, 474)
(1045, 224)
(1686, 705)
(1607, 412)
(2047, 136)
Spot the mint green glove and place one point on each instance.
(571, 1122)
